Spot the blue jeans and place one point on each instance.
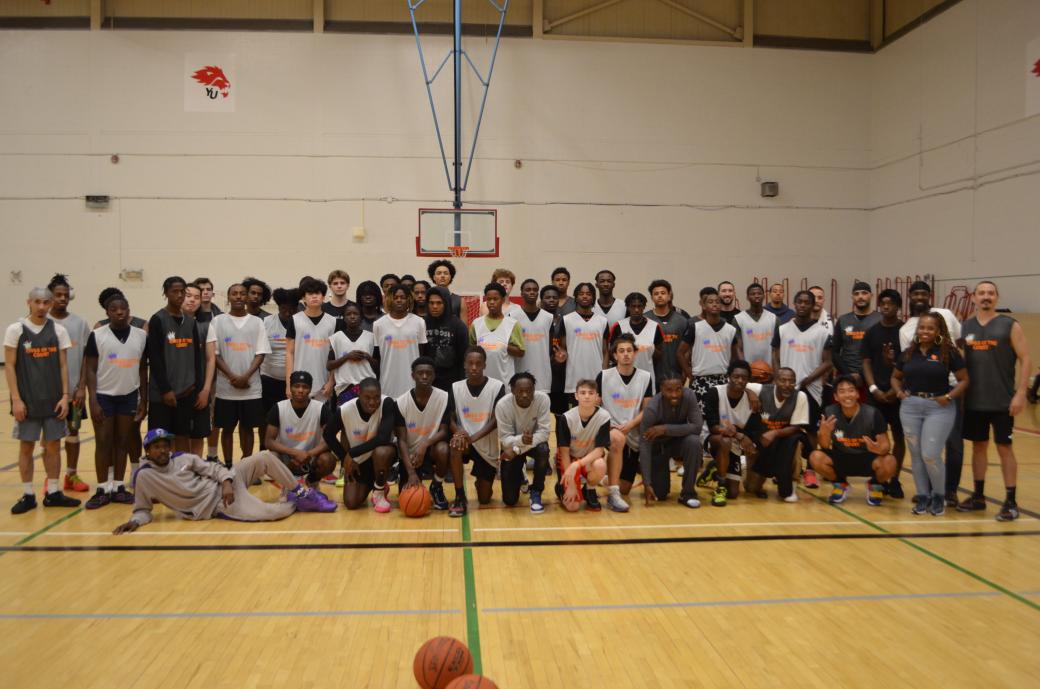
(927, 425)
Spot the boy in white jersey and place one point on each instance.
(624, 390)
(241, 347)
(367, 447)
(647, 333)
(352, 355)
(400, 338)
(116, 373)
(606, 305)
(294, 436)
(755, 327)
(307, 339)
(473, 427)
(78, 331)
(583, 442)
(524, 421)
(536, 328)
(734, 428)
(499, 335)
(583, 346)
(423, 416)
(708, 346)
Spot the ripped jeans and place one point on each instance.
(926, 425)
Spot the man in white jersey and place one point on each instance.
(78, 331)
(624, 390)
(804, 346)
(241, 347)
(734, 428)
(116, 373)
(307, 339)
(755, 327)
(499, 335)
(647, 334)
(524, 422)
(294, 436)
(473, 427)
(536, 329)
(708, 346)
(584, 343)
(583, 442)
(352, 355)
(606, 305)
(423, 416)
(400, 338)
(366, 448)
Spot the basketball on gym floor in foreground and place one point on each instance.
(440, 660)
(415, 501)
(761, 371)
(472, 682)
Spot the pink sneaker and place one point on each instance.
(810, 480)
(379, 502)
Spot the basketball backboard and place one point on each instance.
(457, 232)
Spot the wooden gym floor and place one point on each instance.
(759, 594)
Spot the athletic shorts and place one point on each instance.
(242, 413)
(815, 411)
(183, 420)
(629, 464)
(978, 423)
(32, 429)
(890, 412)
(848, 464)
(348, 393)
(272, 391)
(482, 468)
(118, 405)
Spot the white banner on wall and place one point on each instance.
(1033, 77)
(209, 82)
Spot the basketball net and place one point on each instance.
(458, 251)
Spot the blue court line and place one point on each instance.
(759, 601)
(221, 615)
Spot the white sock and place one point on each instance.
(116, 485)
(53, 485)
(438, 479)
(27, 488)
(614, 490)
(111, 474)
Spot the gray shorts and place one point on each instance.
(31, 429)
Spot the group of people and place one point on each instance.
(396, 387)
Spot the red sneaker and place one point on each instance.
(809, 479)
(74, 483)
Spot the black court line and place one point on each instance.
(510, 544)
(991, 501)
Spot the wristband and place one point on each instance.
(873, 389)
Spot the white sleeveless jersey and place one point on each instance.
(644, 344)
(311, 349)
(711, 351)
(584, 348)
(299, 432)
(495, 344)
(118, 370)
(583, 436)
(615, 313)
(622, 401)
(537, 348)
(356, 429)
(513, 310)
(803, 352)
(422, 425)
(352, 372)
(728, 414)
(472, 413)
(274, 363)
(398, 340)
(757, 336)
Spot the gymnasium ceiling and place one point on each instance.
(842, 25)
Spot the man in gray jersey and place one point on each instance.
(849, 330)
(673, 324)
(993, 344)
(78, 331)
(755, 326)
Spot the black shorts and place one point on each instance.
(815, 411)
(272, 391)
(482, 468)
(118, 405)
(890, 412)
(183, 420)
(848, 464)
(629, 464)
(242, 413)
(978, 423)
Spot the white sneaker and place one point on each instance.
(692, 503)
(616, 503)
(672, 466)
(681, 471)
(793, 497)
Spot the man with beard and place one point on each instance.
(728, 297)
(849, 331)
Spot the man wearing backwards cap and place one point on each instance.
(197, 489)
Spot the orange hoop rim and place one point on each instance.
(458, 251)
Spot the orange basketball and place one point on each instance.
(472, 682)
(441, 660)
(761, 372)
(415, 501)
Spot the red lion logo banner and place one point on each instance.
(214, 78)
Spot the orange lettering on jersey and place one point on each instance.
(123, 363)
(300, 436)
(982, 345)
(39, 352)
(237, 346)
(670, 337)
(850, 442)
(476, 416)
(775, 425)
(317, 342)
(490, 345)
(717, 348)
(534, 337)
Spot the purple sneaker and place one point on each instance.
(311, 501)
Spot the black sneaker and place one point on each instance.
(59, 499)
(895, 489)
(559, 490)
(951, 498)
(394, 473)
(25, 503)
(972, 504)
(99, 499)
(458, 508)
(1008, 512)
(437, 493)
(592, 500)
(122, 496)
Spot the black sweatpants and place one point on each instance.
(512, 473)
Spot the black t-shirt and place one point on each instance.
(563, 432)
(730, 316)
(848, 433)
(206, 316)
(275, 419)
(290, 327)
(335, 311)
(928, 372)
(878, 335)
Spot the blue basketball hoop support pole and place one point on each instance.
(457, 54)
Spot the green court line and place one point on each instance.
(47, 528)
(935, 556)
(472, 622)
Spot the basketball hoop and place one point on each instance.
(458, 251)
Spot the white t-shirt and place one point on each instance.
(14, 333)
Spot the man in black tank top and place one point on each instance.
(993, 344)
(785, 414)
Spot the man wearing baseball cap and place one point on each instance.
(197, 489)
